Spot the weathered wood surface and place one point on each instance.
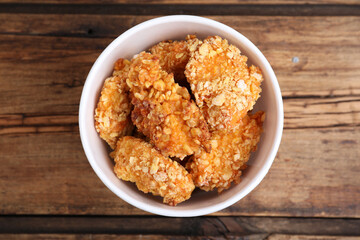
(327, 48)
(172, 237)
(190, 9)
(293, 8)
(308, 237)
(272, 2)
(200, 226)
(44, 60)
(128, 237)
(47, 173)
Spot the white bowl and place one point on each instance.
(140, 38)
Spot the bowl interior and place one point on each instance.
(140, 38)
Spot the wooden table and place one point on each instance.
(47, 187)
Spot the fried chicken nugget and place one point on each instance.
(137, 161)
(228, 156)
(225, 88)
(174, 55)
(163, 110)
(112, 114)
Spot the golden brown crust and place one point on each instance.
(112, 115)
(137, 161)
(229, 153)
(163, 110)
(170, 124)
(224, 86)
(174, 55)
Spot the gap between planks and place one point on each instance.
(192, 9)
(300, 113)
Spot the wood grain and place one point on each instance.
(309, 237)
(327, 48)
(190, 9)
(44, 61)
(298, 183)
(200, 226)
(156, 237)
(273, 2)
(299, 113)
(125, 237)
(322, 112)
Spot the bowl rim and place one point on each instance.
(173, 212)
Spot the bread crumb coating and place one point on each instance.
(137, 161)
(112, 114)
(229, 153)
(163, 110)
(224, 86)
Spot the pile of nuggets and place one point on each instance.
(177, 117)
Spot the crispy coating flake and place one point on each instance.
(225, 88)
(229, 153)
(137, 161)
(112, 115)
(174, 55)
(163, 110)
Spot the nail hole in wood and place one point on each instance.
(295, 59)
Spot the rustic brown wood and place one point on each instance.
(121, 237)
(327, 48)
(309, 237)
(21, 123)
(201, 226)
(273, 2)
(47, 187)
(156, 237)
(299, 113)
(125, 237)
(41, 85)
(315, 174)
(192, 9)
(322, 112)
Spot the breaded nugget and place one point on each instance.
(229, 153)
(225, 88)
(112, 115)
(137, 161)
(163, 110)
(174, 55)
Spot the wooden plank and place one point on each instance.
(268, 9)
(54, 69)
(122, 237)
(186, 2)
(322, 112)
(156, 237)
(38, 117)
(56, 164)
(189, 9)
(309, 237)
(314, 174)
(299, 113)
(23, 120)
(201, 226)
(50, 79)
